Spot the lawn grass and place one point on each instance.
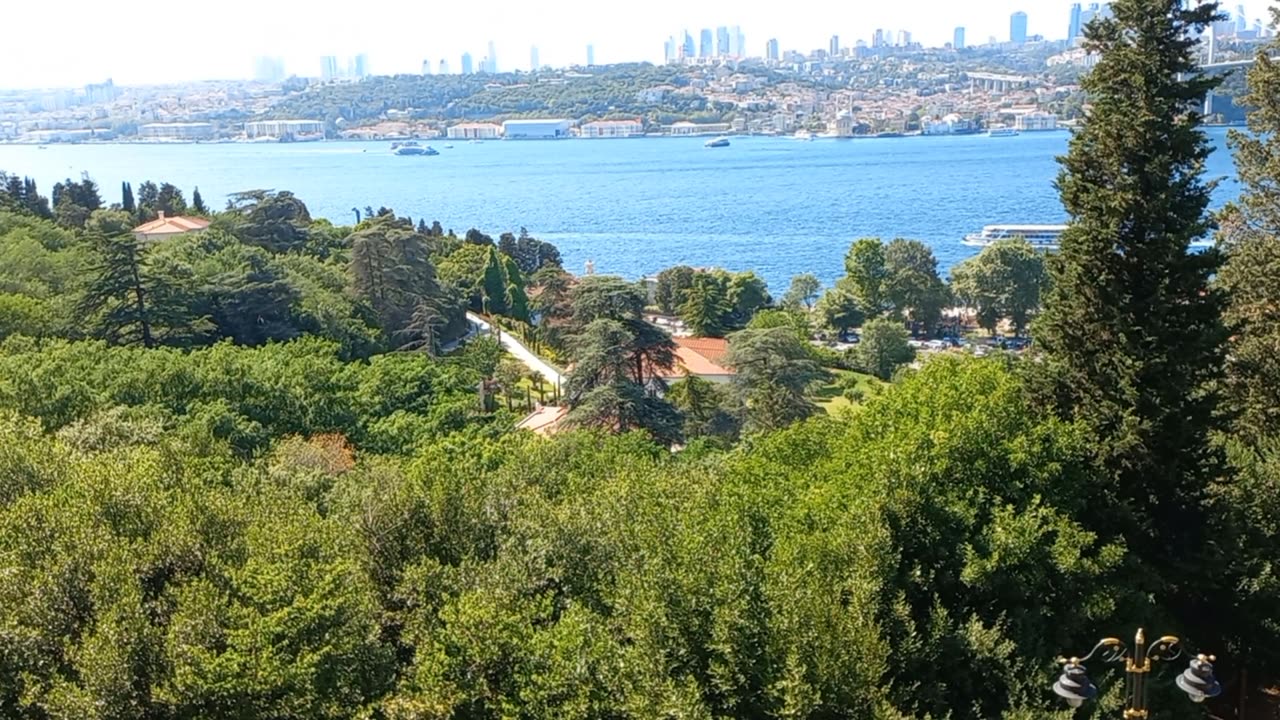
(830, 396)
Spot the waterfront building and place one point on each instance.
(467, 67)
(541, 129)
(686, 128)
(612, 129)
(328, 68)
(163, 228)
(958, 40)
(843, 125)
(949, 125)
(706, 45)
(283, 128)
(474, 131)
(176, 131)
(1018, 28)
(1036, 121)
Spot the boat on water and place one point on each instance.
(719, 142)
(1040, 237)
(804, 135)
(412, 148)
(890, 134)
(448, 147)
(1002, 132)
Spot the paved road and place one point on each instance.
(522, 353)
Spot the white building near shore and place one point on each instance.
(474, 131)
(176, 131)
(612, 129)
(282, 128)
(548, 129)
(1036, 122)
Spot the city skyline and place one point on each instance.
(230, 48)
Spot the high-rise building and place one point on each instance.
(957, 40)
(467, 68)
(533, 59)
(268, 69)
(444, 66)
(591, 55)
(491, 66)
(771, 50)
(669, 50)
(904, 38)
(878, 40)
(722, 40)
(833, 47)
(706, 43)
(1018, 28)
(1073, 26)
(737, 42)
(1242, 22)
(688, 49)
(328, 68)
(1095, 10)
(359, 66)
(426, 67)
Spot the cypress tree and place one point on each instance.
(1132, 330)
(126, 198)
(197, 203)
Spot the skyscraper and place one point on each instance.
(878, 40)
(688, 49)
(533, 59)
(268, 69)
(1074, 27)
(722, 40)
(737, 41)
(706, 44)
(957, 41)
(359, 67)
(771, 50)
(833, 47)
(444, 66)
(1018, 28)
(467, 68)
(669, 50)
(426, 67)
(492, 65)
(1095, 10)
(904, 38)
(328, 67)
(591, 55)
(1242, 22)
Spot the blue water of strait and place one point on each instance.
(774, 205)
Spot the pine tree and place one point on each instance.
(126, 198)
(119, 296)
(1132, 331)
(1251, 273)
(197, 203)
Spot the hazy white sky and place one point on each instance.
(73, 42)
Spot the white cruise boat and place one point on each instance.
(1042, 237)
(1002, 132)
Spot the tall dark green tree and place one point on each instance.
(913, 286)
(126, 198)
(494, 283)
(392, 270)
(867, 276)
(197, 203)
(1132, 328)
(773, 371)
(706, 306)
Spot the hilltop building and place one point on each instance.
(163, 228)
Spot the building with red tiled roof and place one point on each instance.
(703, 357)
(166, 227)
(546, 420)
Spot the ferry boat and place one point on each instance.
(1041, 237)
(1002, 132)
(412, 148)
(721, 141)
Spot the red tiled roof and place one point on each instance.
(698, 356)
(171, 225)
(545, 420)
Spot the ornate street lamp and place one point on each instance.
(1197, 681)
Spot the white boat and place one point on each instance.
(719, 142)
(1002, 132)
(804, 135)
(1041, 237)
